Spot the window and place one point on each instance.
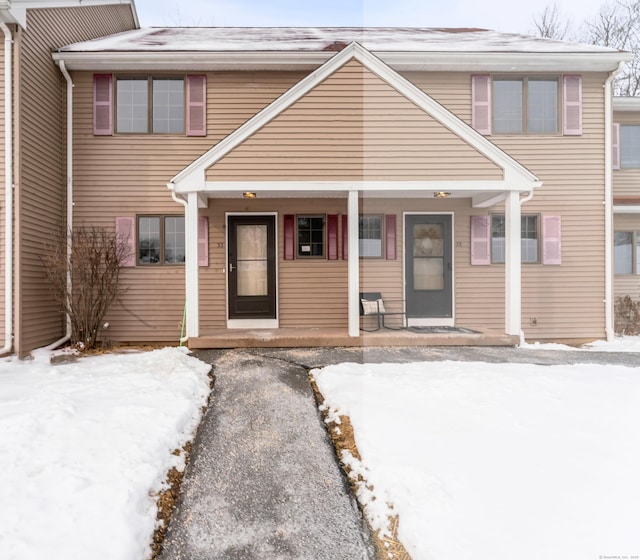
(160, 240)
(626, 252)
(159, 101)
(370, 235)
(529, 239)
(525, 105)
(311, 236)
(630, 146)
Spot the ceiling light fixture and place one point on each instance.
(249, 195)
(441, 194)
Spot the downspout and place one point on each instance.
(8, 188)
(67, 77)
(608, 203)
(183, 339)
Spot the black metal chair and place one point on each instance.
(372, 304)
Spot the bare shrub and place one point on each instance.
(627, 316)
(94, 268)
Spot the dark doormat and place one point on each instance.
(440, 330)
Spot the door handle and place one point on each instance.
(231, 267)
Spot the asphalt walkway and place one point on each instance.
(263, 481)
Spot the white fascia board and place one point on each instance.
(400, 61)
(506, 61)
(113, 61)
(495, 186)
(622, 104)
(626, 209)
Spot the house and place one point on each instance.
(273, 174)
(626, 196)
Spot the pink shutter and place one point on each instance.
(102, 105)
(345, 237)
(615, 148)
(126, 231)
(551, 240)
(481, 103)
(203, 241)
(332, 237)
(196, 105)
(480, 240)
(289, 237)
(572, 106)
(390, 233)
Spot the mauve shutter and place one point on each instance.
(572, 105)
(203, 241)
(480, 240)
(551, 240)
(332, 237)
(125, 230)
(481, 103)
(102, 105)
(345, 237)
(390, 233)
(196, 105)
(615, 148)
(289, 237)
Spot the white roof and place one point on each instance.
(305, 39)
(304, 48)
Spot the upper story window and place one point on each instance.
(142, 105)
(527, 104)
(629, 146)
(150, 101)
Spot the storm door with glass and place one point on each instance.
(252, 267)
(428, 266)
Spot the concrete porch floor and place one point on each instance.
(322, 337)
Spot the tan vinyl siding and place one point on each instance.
(353, 126)
(566, 300)
(126, 175)
(626, 182)
(40, 170)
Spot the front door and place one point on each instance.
(252, 267)
(428, 268)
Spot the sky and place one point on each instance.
(500, 15)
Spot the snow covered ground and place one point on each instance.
(85, 448)
(497, 461)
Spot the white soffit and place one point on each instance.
(17, 9)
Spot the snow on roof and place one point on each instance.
(315, 39)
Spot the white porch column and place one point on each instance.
(191, 264)
(512, 267)
(354, 265)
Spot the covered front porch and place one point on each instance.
(408, 168)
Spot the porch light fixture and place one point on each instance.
(441, 194)
(248, 195)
